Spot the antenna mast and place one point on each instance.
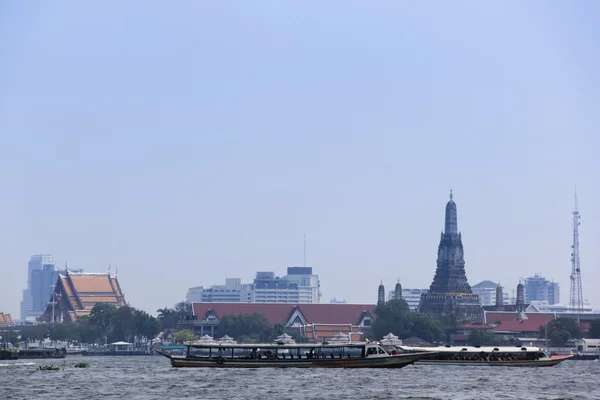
(305, 249)
(576, 298)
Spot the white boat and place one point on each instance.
(508, 356)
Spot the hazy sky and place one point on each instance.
(186, 142)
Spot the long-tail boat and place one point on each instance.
(285, 355)
(506, 356)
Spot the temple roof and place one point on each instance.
(279, 313)
(77, 293)
(5, 320)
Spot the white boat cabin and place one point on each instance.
(288, 350)
(487, 353)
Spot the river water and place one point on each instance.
(152, 377)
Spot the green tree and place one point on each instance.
(560, 331)
(183, 309)
(483, 337)
(146, 326)
(86, 332)
(278, 329)
(122, 324)
(426, 328)
(247, 327)
(61, 332)
(393, 316)
(299, 338)
(101, 316)
(170, 317)
(34, 333)
(183, 336)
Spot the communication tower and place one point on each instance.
(576, 295)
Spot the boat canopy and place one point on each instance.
(280, 345)
(474, 349)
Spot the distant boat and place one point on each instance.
(292, 355)
(117, 349)
(489, 355)
(41, 353)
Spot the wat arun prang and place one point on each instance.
(450, 292)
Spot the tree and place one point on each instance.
(61, 332)
(146, 325)
(183, 308)
(483, 337)
(34, 333)
(86, 332)
(560, 331)
(426, 328)
(101, 316)
(169, 317)
(122, 324)
(183, 336)
(247, 327)
(595, 329)
(393, 316)
(299, 338)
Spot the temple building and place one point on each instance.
(450, 292)
(5, 320)
(75, 294)
(317, 322)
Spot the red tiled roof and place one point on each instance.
(474, 325)
(336, 313)
(275, 313)
(491, 317)
(279, 313)
(524, 325)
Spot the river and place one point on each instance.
(152, 377)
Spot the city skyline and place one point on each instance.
(181, 143)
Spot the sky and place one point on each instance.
(189, 142)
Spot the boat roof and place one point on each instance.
(473, 349)
(279, 345)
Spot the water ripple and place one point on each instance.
(153, 378)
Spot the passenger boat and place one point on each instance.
(41, 353)
(325, 355)
(489, 355)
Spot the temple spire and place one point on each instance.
(451, 225)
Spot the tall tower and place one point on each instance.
(381, 294)
(499, 298)
(398, 291)
(520, 298)
(576, 296)
(450, 292)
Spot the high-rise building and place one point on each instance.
(309, 287)
(300, 285)
(233, 291)
(450, 292)
(41, 278)
(486, 290)
(411, 296)
(538, 288)
(31, 295)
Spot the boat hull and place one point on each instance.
(553, 360)
(397, 361)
